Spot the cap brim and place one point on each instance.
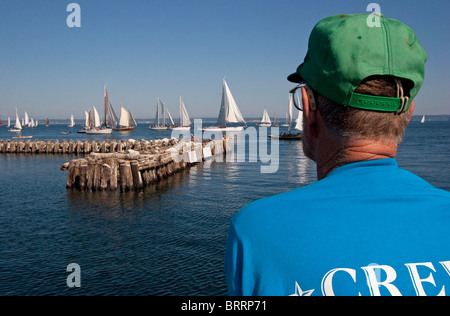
(295, 77)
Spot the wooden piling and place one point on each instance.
(133, 170)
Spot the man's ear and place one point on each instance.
(410, 111)
(309, 115)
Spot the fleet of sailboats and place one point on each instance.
(230, 118)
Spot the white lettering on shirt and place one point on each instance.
(372, 279)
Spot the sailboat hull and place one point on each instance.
(264, 125)
(180, 128)
(223, 129)
(99, 131)
(123, 129)
(158, 128)
(288, 136)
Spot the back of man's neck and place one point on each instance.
(352, 151)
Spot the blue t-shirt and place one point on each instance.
(368, 228)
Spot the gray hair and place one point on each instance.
(349, 122)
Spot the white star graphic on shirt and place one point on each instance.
(300, 292)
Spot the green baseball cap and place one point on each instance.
(343, 50)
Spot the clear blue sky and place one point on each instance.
(144, 49)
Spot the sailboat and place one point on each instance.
(275, 121)
(126, 122)
(17, 125)
(87, 122)
(9, 122)
(1, 123)
(72, 121)
(47, 123)
(160, 113)
(31, 123)
(289, 135)
(265, 121)
(26, 122)
(98, 128)
(229, 113)
(423, 119)
(185, 121)
(299, 122)
(287, 120)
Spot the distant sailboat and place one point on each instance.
(26, 122)
(185, 121)
(423, 119)
(265, 121)
(275, 121)
(289, 135)
(160, 116)
(98, 128)
(87, 122)
(287, 119)
(9, 122)
(299, 122)
(47, 123)
(17, 125)
(126, 122)
(229, 113)
(1, 123)
(72, 121)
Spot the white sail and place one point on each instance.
(17, 125)
(266, 119)
(86, 119)
(299, 122)
(170, 118)
(9, 122)
(27, 120)
(131, 118)
(124, 117)
(289, 114)
(72, 121)
(31, 123)
(423, 119)
(229, 111)
(36, 123)
(184, 116)
(96, 122)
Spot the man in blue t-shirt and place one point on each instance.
(366, 227)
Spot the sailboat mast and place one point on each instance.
(106, 104)
(289, 114)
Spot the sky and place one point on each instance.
(145, 49)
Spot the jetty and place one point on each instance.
(122, 165)
(133, 169)
(81, 147)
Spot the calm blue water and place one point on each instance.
(167, 239)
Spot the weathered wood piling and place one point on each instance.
(80, 147)
(139, 165)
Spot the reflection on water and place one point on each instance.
(116, 204)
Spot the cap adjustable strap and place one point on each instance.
(375, 103)
(400, 104)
